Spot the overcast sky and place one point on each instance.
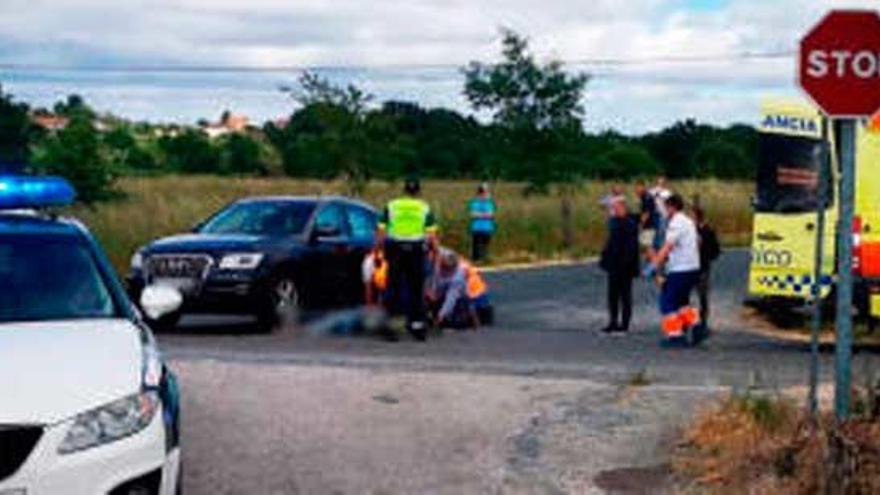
(384, 45)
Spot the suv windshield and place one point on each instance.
(50, 278)
(788, 174)
(261, 218)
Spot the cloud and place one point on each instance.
(396, 33)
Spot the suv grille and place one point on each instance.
(192, 266)
(16, 444)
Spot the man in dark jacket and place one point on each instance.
(620, 259)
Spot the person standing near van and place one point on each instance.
(481, 209)
(661, 194)
(680, 255)
(620, 260)
(710, 250)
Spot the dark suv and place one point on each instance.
(263, 256)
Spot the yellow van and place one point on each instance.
(795, 141)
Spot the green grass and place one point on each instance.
(529, 226)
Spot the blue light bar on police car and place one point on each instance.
(22, 191)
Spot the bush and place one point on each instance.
(76, 154)
(243, 155)
(190, 152)
(625, 161)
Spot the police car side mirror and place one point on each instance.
(160, 300)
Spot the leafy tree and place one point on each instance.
(539, 105)
(74, 106)
(16, 131)
(76, 153)
(522, 93)
(317, 90)
(723, 160)
(125, 150)
(330, 136)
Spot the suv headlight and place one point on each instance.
(111, 422)
(137, 260)
(241, 261)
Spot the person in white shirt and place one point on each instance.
(661, 194)
(680, 256)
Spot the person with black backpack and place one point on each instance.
(710, 250)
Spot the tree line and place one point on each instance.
(534, 133)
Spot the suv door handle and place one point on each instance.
(811, 226)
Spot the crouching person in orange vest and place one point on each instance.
(374, 271)
(457, 294)
(680, 255)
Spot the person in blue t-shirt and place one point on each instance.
(481, 209)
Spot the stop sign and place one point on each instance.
(840, 63)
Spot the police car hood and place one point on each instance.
(51, 371)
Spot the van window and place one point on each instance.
(788, 174)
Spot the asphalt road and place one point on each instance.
(548, 323)
(543, 402)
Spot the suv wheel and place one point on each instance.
(283, 306)
(165, 323)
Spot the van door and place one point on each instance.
(868, 197)
(785, 225)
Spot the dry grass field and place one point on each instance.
(529, 226)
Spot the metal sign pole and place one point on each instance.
(816, 290)
(843, 355)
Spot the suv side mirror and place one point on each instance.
(327, 231)
(160, 300)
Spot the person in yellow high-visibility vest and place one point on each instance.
(405, 229)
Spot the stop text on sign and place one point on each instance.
(863, 64)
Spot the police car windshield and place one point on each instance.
(788, 174)
(50, 277)
(261, 218)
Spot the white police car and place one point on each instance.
(86, 404)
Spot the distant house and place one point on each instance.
(229, 123)
(50, 121)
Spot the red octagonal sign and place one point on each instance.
(840, 63)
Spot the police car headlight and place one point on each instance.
(110, 422)
(137, 261)
(241, 261)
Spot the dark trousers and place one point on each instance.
(703, 287)
(406, 279)
(676, 292)
(480, 245)
(619, 299)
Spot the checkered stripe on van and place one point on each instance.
(799, 284)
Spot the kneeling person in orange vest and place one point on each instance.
(457, 294)
(374, 271)
(680, 255)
